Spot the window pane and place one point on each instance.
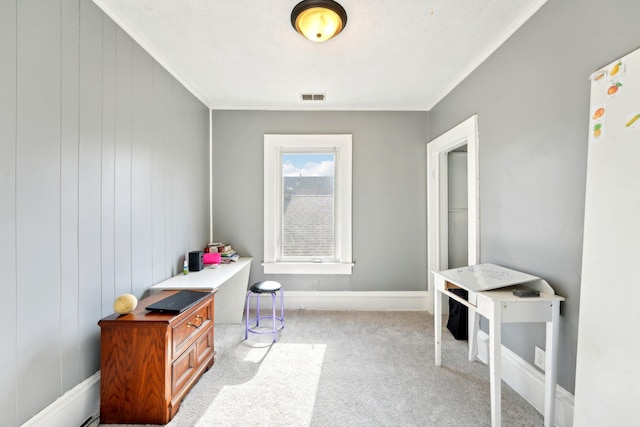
(308, 205)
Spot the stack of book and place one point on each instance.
(227, 253)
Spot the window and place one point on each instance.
(307, 202)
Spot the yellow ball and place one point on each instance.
(125, 303)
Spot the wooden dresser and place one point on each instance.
(150, 361)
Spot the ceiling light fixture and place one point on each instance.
(318, 20)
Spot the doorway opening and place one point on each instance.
(458, 208)
(439, 187)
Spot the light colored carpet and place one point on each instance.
(346, 369)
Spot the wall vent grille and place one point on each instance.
(312, 96)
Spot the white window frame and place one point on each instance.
(274, 145)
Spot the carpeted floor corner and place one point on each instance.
(331, 368)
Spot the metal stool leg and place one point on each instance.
(282, 307)
(273, 309)
(246, 325)
(257, 310)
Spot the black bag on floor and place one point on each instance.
(458, 322)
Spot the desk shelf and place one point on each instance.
(230, 280)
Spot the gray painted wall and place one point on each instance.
(389, 187)
(532, 98)
(103, 188)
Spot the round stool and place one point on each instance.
(265, 287)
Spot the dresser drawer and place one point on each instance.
(191, 361)
(190, 326)
(182, 369)
(204, 347)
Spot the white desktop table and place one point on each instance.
(490, 290)
(231, 281)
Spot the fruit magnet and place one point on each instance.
(599, 112)
(632, 121)
(616, 69)
(597, 130)
(614, 88)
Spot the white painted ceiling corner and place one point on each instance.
(391, 56)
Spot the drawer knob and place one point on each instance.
(194, 325)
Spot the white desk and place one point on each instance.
(230, 280)
(490, 295)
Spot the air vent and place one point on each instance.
(312, 96)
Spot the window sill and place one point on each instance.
(307, 268)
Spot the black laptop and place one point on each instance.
(177, 303)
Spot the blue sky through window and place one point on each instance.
(308, 164)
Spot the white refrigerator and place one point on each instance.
(608, 359)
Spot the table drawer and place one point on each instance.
(187, 328)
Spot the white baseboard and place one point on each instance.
(355, 301)
(73, 408)
(483, 347)
(528, 382)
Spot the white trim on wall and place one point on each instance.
(122, 23)
(485, 53)
(73, 408)
(528, 382)
(437, 208)
(210, 175)
(355, 301)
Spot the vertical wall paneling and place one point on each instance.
(141, 156)
(182, 219)
(174, 152)
(159, 121)
(179, 237)
(122, 187)
(171, 259)
(70, 38)
(107, 255)
(8, 284)
(90, 187)
(92, 140)
(38, 203)
(199, 203)
(197, 206)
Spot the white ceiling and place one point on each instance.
(392, 55)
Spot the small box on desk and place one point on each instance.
(212, 258)
(196, 260)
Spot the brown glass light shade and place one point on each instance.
(318, 20)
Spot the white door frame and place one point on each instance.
(437, 197)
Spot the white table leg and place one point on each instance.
(495, 365)
(474, 320)
(230, 297)
(437, 320)
(551, 366)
